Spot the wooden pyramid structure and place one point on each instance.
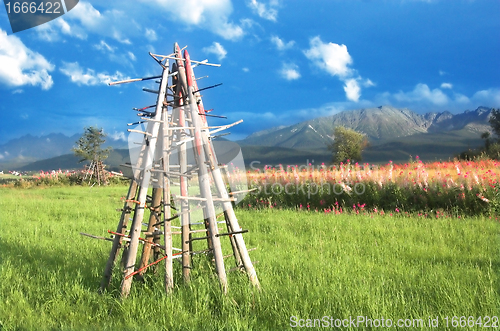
(175, 153)
(95, 173)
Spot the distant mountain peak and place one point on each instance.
(378, 123)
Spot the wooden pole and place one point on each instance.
(221, 187)
(153, 129)
(234, 244)
(183, 88)
(233, 221)
(154, 217)
(167, 225)
(117, 241)
(182, 156)
(204, 180)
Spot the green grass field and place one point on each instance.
(310, 265)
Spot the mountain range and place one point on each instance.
(394, 134)
(20, 152)
(380, 125)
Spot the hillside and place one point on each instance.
(70, 162)
(35, 148)
(381, 125)
(428, 146)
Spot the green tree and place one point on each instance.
(88, 147)
(492, 146)
(495, 121)
(487, 140)
(347, 145)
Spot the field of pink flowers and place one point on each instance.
(427, 189)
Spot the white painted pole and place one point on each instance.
(135, 231)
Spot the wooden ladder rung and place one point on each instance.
(179, 197)
(224, 199)
(201, 223)
(141, 132)
(231, 233)
(171, 173)
(192, 231)
(96, 237)
(242, 191)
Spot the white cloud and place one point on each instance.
(368, 83)
(461, 99)
(117, 136)
(119, 19)
(216, 49)
(151, 35)
(77, 74)
(352, 89)
(335, 60)
(264, 11)
(489, 97)
(103, 46)
(247, 23)
(423, 93)
(50, 31)
(422, 98)
(118, 37)
(456, 103)
(20, 65)
(329, 109)
(84, 18)
(280, 44)
(245, 69)
(86, 14)
(228, 31)
(18, 91)
(88, 77)
(446, 86)
(118, 57)
(331, 57)
(290, 71)
(209, 14)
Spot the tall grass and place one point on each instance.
(458, 188)
(310, 265)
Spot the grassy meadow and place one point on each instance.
(311, 264)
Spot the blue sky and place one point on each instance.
(282, 61)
